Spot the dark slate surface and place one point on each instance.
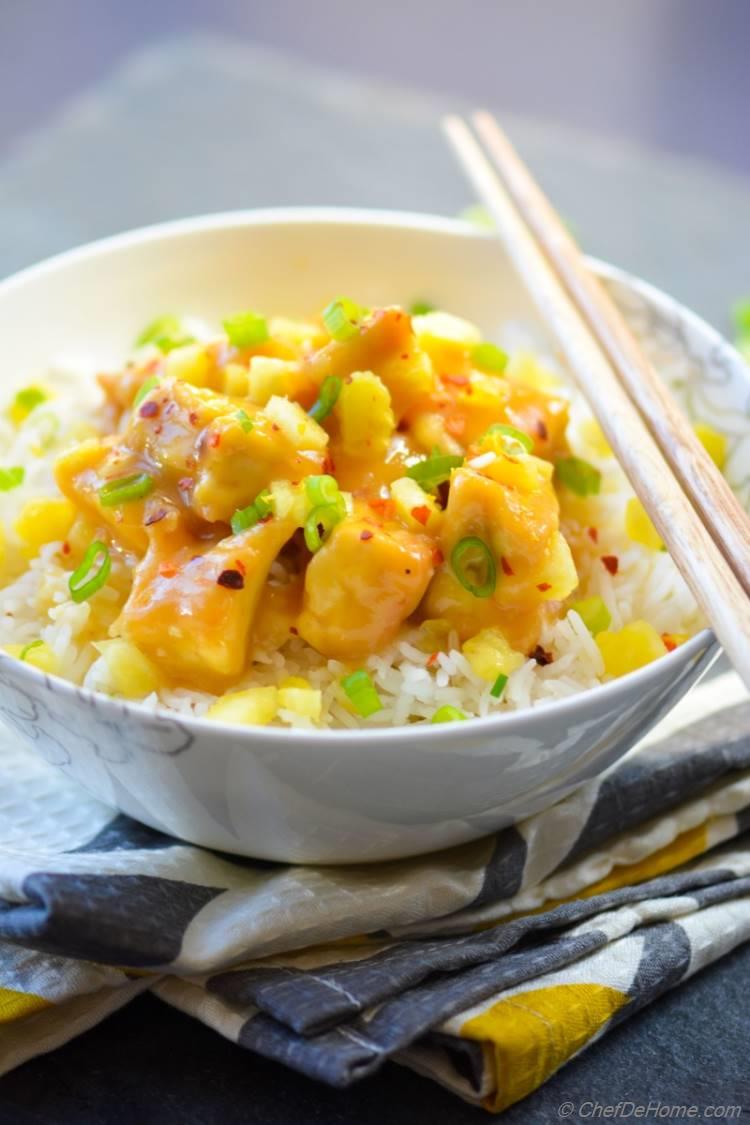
(152, 1065)
(203, 124)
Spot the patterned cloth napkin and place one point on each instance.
(485, 967)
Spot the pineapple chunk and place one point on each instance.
(447, 339)
(297, 333)
(191, 364)
(40, 656)
(297, 695)
(558, 572)
(639, 528)
(128, 672)
(714, 443)
(290, 501)
(429, 432)
(253, 707)
(490, 655)
(44, 520)
(629, 648)
(442, 327)
(415, 507)
(236, 381)
(525, 368)
(269, 377)
(301, 430)
(365, 417)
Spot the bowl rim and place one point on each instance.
(505, 723)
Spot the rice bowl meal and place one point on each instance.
(372, 518)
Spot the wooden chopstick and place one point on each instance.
(707, 489)
(698, 557)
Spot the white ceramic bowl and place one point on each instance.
(333, 796)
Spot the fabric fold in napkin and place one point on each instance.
(485, 967)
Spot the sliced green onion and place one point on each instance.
(29, 398)
(11, 478)
(92, 573)
(325, 516)
(322, 489)
(594, 614)
(145, 388)
(246, 329)
(479, 216)
(488, 357)
(447, 714)
(421, 308)
(245, 421)
(515, 437)
(434, 470)
(342, 318)
(362, 693)
(474, 566)
(329, 393)
(27, 649)
(245, 518)
(498, 687)
(741, 316)
(125, 490)
(166, 333)
(579, 476)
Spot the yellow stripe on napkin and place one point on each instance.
(530, 1035)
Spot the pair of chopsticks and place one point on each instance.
(694, 510)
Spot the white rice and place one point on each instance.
(35, 601)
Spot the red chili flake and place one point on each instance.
(456, 380)
(541, 430)
(193, 418)
(214, 440)
(543, 586)
(365, 535)
(593, 534)
(167, 570)
(455, 426)
(274, 427)
(294, 630)
(670, 643)
(541, 656)
(405, 355)
(241, 567)
(185, 484)
(155, 517)
(66, 548)
(432, 659)
(149, 409)
(328, 465)
(421, 514)
(611, 562)
(505, 566)
(384, 508)
(438, 558)
(231, 579)
(158, 429)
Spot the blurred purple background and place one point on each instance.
(671, 73)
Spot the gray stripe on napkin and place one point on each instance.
(667, 775)
(312, 1000)
(133, 920)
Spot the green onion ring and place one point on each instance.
(329, 393)
(472, 543)
(325, 516)
(124, 490)
(82, 586)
